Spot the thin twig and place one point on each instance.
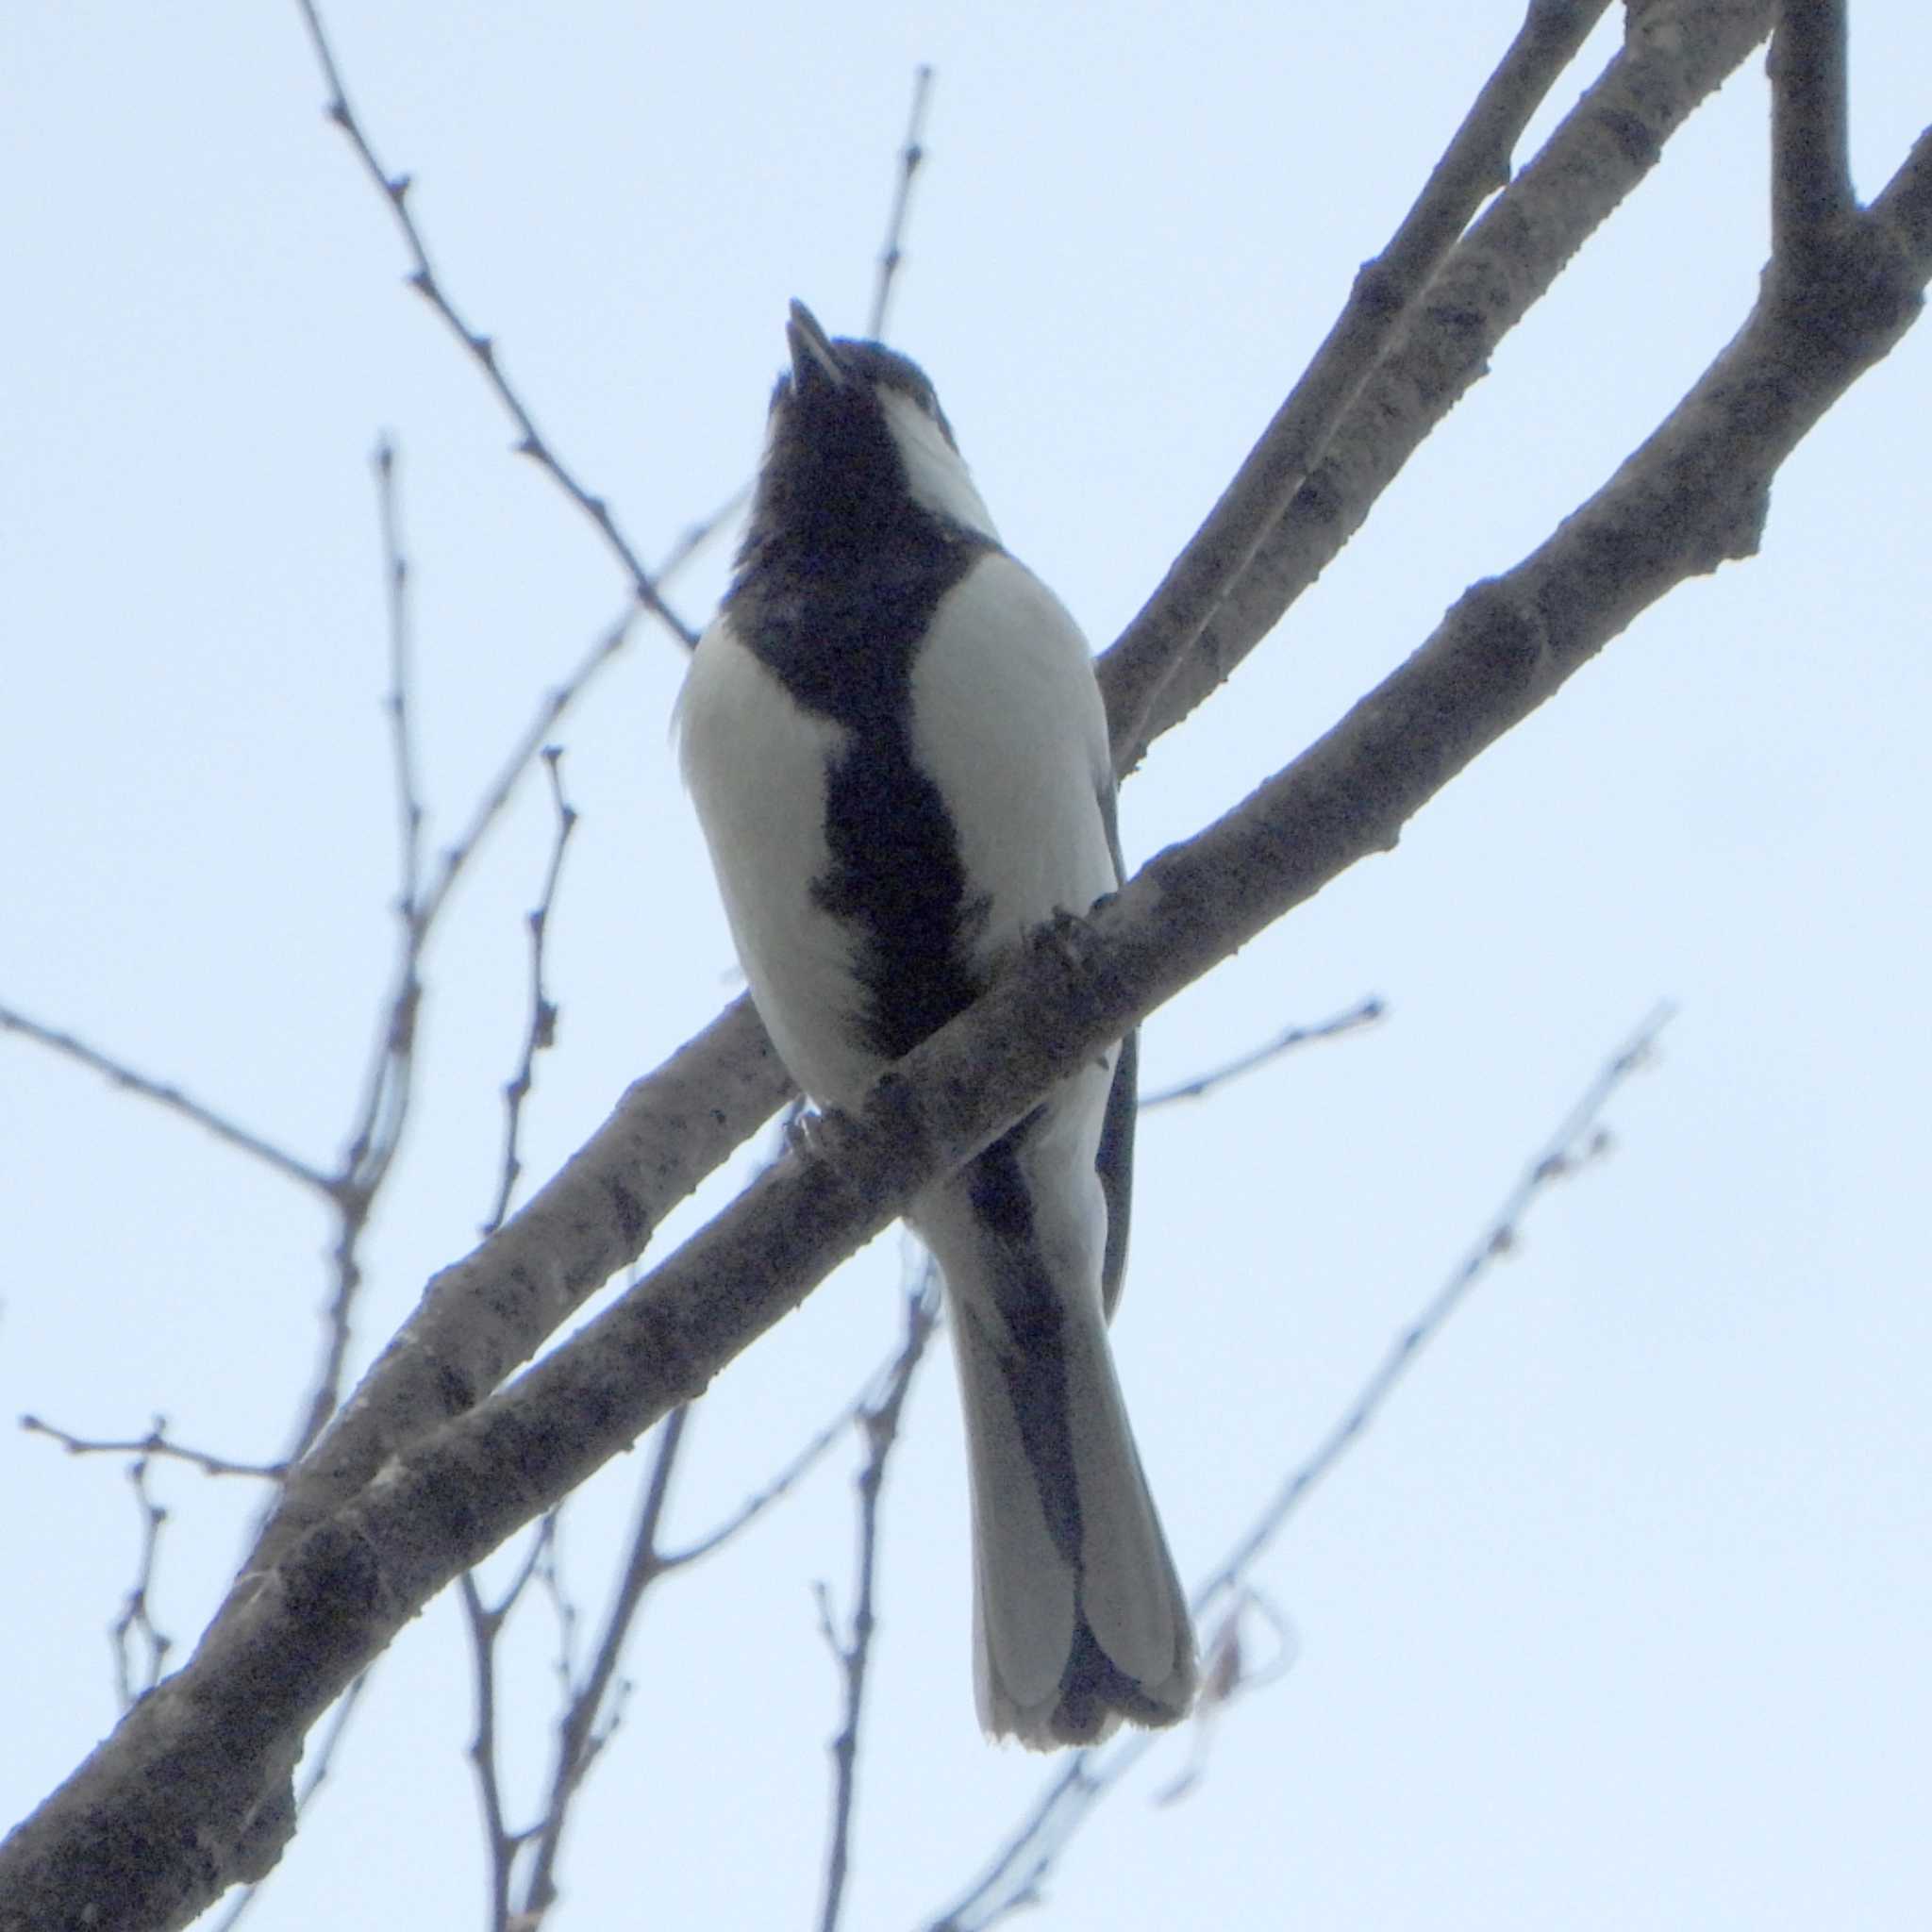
(135, 1630)
(522, 755)
(401, 683)
(164, 1094)
(578, 1738)
(540, 1033)
(1226, 1675)
(484, 1623)
(696, 535)
(892, 254)
(1014, 1877)
(156, 1443)
(1363, 1013)
(389, 1076)
(549, 1574)
(779, 1487)
(1475, 162)
(532, 441)
(880, 1422)
(1577, 1141)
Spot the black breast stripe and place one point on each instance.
(844, 642)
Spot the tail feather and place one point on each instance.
(1078, 1615)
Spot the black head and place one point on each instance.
(856, 448)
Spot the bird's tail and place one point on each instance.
(1078, 1617)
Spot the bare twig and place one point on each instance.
(156, 1443)
(540, 1033)
(389, 1076)
(141, 1648)
(696, 535)
(1014, 1877)
(578, 1738)
(776, 1491)
(1475, 163)
(1810, 154)
(1363, 1013)
(909, 158)
(522, 755)
(880, 1420)
(383, 1108)
(401, 684)
(1578, 1140)
(531, 439)
(484, 1623)
(165, 1094)
(1226, 1675)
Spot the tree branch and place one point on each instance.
(911, 156)
(539, 1033)
(1475, 164)
(1811, 152)
(532, 441)
(171, 1097)
(879, 1419)
(1677, 54)
(577, 1737)
(1366, 1012)
(483, 1316)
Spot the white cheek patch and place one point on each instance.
(934, 473)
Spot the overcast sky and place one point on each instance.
(1618, 1618)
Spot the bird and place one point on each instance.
(895, 744)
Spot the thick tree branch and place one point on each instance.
(182, 1801)
(1810, 150)
(1475, 164)
(1904, 209)
(1675, 54)
(482, 1317)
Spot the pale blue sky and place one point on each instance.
(1618, 1619)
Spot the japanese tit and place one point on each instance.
(897, 746)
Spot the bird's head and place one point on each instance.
(856, 447)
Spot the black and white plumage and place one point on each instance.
(895, 743)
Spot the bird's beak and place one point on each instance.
(813, 358)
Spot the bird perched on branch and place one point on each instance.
(897, 746)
